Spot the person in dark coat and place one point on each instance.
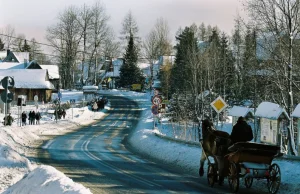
(59, 113)
(8, 120)
(241, 131)
(30, 117)
(24, 117)
(33, 118)
(63, 113)
(37, 117)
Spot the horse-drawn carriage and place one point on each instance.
(242, 161)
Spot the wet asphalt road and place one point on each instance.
(98, 157)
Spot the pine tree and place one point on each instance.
(226, 69)
(250, 66)
(26, 47)
(180, 76)
(129, 72)
(202, 32)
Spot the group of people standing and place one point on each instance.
(33, 118)
(98, 104)
(61, 113)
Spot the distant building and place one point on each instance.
(3, 54)
(29, 82)
(20, 60)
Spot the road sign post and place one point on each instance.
(72, 102)
(218, 105)
(7, 96)
(154, 110)
(36, 98)
(156, 100)
(59, 95)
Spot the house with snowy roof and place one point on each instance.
(273, 122)
(20, 60)
(296, 117)
(29, 82)
(113, 70)
(240, 111)
(3, 54)
(17, 57)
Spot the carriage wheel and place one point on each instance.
(274, 179)
(211, 175)
(233, 177)
(248, 182)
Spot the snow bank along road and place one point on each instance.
(97, 157)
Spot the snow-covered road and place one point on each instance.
(16, 142)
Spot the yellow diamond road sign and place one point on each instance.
(219, 104)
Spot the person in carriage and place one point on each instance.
(241, 132)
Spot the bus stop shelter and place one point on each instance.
(240, 111)
(273, 123)
(296, 119)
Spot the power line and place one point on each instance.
(27, 40)
(50, 46)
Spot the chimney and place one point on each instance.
(7, 52)
(25, 63)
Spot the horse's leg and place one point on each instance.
(202, 160)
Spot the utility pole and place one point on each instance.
(95, 74)
(113, 71)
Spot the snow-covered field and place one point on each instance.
(19, 175)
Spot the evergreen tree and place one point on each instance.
(180, 77)
(226, 69)
(129, 72)
(214, 62)
(26, 47)
(1, 45)
(202, 32)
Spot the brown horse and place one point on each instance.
(209, 146)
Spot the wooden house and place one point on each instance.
(20, 60)
(29, 82)
(239, 111)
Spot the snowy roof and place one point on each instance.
(3, 54)
(52, 71)
(143, 65)
(11, 65)
(28, 78)
(239, 111)
(270, 110)
(296, 112)
(21, 56)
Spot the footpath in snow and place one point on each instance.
(18, 174)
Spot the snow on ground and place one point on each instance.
(16, 141)
(47, 180)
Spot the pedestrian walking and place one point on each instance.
(63, 113)
(59, 113)
(33, 118)
(38, 117)
(30, 118)
(95, 106)
(24, 117)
